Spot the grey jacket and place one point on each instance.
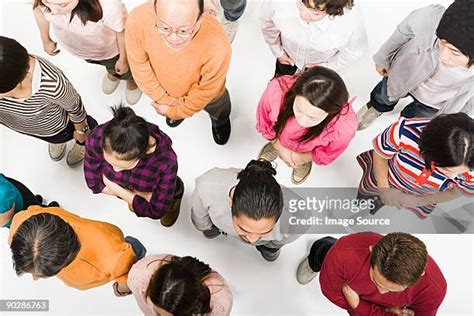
(411, 56)
(210, 205)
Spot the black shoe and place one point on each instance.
(173, 123)
(39, 198)
(221, 132)
(53, 204)
(269, 254)
(211, 233)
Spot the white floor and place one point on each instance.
(259, 287)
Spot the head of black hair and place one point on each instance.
(14, 64)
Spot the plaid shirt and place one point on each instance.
(156, 173)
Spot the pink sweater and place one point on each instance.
(141, 272)
(326, 147)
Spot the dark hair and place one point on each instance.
(178, 288)
(127, 134)
(332, 7)
(447, 141)
(86, 10)
(324, 89)
(14, 64)
(400, 258)
(257, 195)
(44, 244)
(200, 6)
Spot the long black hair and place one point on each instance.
(324, 89)
(178, 287)
(447, 141)
(14, 64)
(86, 10)
(257, 195)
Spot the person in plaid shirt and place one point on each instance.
(132, 159)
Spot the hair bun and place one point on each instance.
(257, 166)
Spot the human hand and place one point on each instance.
(299, 159)
(80, 137)
(51, 48)
(286, 60)
(121, 66)
(121, 289)
(401, 311)
(351, 296)
(145, 195)
(161, 109)
(284, 153)
(381, 70)
(411, 200)
(391, 197)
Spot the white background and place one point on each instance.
(259, 287)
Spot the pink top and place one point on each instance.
(326, 147)
(95, 41)
(141, 272)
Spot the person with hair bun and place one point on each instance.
(306, 117)
(168, 285)
(132, 159)
(246, 204)
(417, 163)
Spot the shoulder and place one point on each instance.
(217, 176)
(212, 35)
(144, 11)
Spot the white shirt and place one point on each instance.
(334, 41)
(443, 85)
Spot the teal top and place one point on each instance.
(9, 195)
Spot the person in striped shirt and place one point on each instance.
(38, 100)
(133, 160)
(417, 163)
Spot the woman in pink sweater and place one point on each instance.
(306, 118)
(168, 285)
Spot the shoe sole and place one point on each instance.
(75, 164)
(300, 181)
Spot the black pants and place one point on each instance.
(68, 133)
(179, 191)
(219, 109)
(282, 70)
(110, 66)
(318, 252)
(28, 197)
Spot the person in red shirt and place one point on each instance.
(374, 275)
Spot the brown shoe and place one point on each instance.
(300, 174)
(268, 152)
(171, 216)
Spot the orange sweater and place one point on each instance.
(194, 74)
(104, 254)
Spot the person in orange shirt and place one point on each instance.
(179, 57)
(82, 253)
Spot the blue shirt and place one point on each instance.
(9, 194)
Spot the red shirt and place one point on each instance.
(348, 262)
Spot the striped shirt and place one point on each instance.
(156, 173)
(48, 111)
(399, 144)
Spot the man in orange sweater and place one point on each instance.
(179, 57)
(82, 253)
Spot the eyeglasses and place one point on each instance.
(167, 31)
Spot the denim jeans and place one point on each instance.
(380, 101)
(68, 133)
(137, 246)
(233, 9)
(318, 252)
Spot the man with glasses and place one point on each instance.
(372, 274)
(180, 57)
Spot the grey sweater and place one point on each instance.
(210, 205)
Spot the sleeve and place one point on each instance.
(69, 99)
(93, 163)
(162, 197)
(221, 297)
(210, 87)
(114, 15)
(271, 33)
(354, 50)
(324, 155)
(387, 143)
(466, 184)
(268, 109)
(402, 34)
(199, 212)
(6, 199)
(123, 263)
(140, 64)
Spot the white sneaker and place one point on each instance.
(57, 151)
(109, 86)
(75, 156)
(133, 96)
(230, 28)
(305, 274)
(366, 116)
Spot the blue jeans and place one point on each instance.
(233, 9)
(380, 101)
(137, 246)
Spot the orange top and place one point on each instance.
(194, 74)
(104, 254)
